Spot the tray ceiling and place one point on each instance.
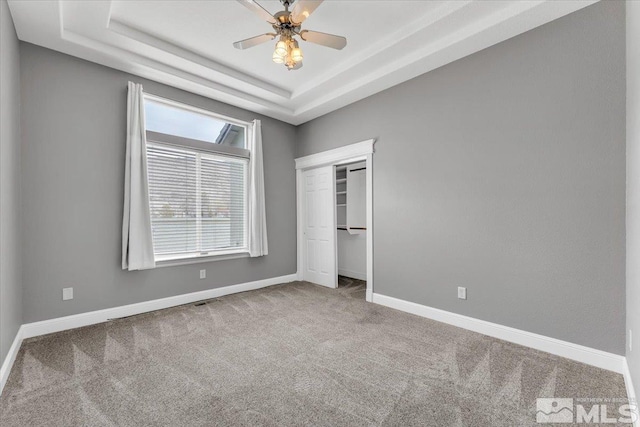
(188, 44)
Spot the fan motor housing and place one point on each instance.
(284, 23)
(284, 18)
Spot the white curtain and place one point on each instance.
(257, 213)
(137, 240)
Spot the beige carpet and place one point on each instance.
(288, 355)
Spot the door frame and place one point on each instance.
(360, 151)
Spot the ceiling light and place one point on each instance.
(287, 25)
(277, 58)
(296, 54)
(281, 48)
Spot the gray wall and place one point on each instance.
(74, 128)
(633, 189)
(10, 269)
(505, 172)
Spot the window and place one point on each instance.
(187, 122)
(197, 169)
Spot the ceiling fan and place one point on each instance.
(286, 24)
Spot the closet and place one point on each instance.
(335, 218)
(351, 219)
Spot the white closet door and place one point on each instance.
(319, 246)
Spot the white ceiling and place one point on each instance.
(188, 44)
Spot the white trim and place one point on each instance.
(198, 110)
(631, 391)
(439, 35)
(90, 318)
(352, 274)
(349, 153)
(299, 224)
(10, 358)
(35, 329)
(208, 256)
(572, 351)
(200, 259)
(369, 177)
(125, 30)
(590, 356)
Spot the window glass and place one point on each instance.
(197, 193)
(167, 119)
(197, 201)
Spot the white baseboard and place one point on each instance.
(35, 329)
(10, 358)
(590, 356)
(90, 318)
(631, 391)
(352, 274)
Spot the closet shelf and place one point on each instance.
(341, 192)
(341, 204)
(341, 180)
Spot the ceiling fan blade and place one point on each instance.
(258, 10)
(302, 9)
(324, 39)
(254, 41)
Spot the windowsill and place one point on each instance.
(195, 259)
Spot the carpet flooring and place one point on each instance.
(288, 355)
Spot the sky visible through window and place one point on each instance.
(166, 119)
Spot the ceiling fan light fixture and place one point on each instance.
(281, 48)
(287, 25)
(296, 54)
(277, 58)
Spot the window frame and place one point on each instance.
(197, 110)
(205, 147)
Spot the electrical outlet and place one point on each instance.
(67, 294)
(203, 274)
(462, 292)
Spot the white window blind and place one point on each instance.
(198, 202)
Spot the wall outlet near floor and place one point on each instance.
(203, 274)
(462, 292)
(67, 294)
